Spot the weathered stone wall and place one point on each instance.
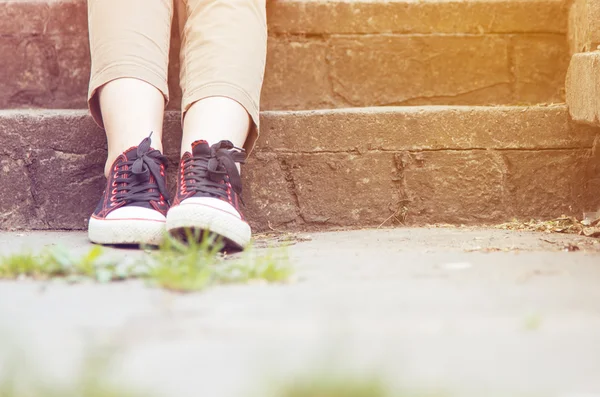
(332, 168)
(327, 54)
(352, 167)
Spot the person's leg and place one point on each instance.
(223, 58)
(129, 45)
(131, 109)
(214, 119)
(223, 55)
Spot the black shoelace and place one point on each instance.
(206, 173)
(133, 177)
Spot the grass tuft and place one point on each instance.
(179, 266)
(198, 264)
(59, 262)
(29, 265)
(350, 387)
(92, 380)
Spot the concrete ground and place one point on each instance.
(468, 311)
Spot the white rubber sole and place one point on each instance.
(211, 215)
(126, 231)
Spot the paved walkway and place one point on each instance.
(475, 312)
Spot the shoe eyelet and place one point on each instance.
(113, 199)
(114, 191)
(114, 184)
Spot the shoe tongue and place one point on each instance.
(131, 153)
(200, 148)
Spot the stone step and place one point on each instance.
(328, 53)
(333, 168)
(583, 87)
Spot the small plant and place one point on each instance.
(532, 322)
(335, 387)
(27, 264)
(91, 381)
(59, 262)
(181, 266)
(272, 267)
(176, 265)
(348, 386)
(197, 264)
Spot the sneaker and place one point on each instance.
(134, 205)
(209, 191)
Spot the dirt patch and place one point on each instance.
(569, 225)
(279, 239)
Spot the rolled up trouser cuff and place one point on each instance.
(119, 71)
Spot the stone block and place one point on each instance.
(73, 60)
(583, 87)
(64, 152)
(400, 70)
(268, 193)
(44, 70)
(452, 187)
(343, 189)
(66, 17)
(423, 128)
(30, 74)
(67, 185)
(546, 184)
(17, 205)
(540, 68)
(296, 75)
(69, 131)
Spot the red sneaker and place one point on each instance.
(209, 191)
(134, 205)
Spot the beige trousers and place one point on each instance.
(223, 48)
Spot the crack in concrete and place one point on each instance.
(410, 101)
(503, 168)
(401, 208)
(29, 164)
(291, 186)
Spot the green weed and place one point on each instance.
(346, 385)
(340, 387)
(27, 264)
(20, 380)
(532, 322)
(177, 265)
(197, 264)
(59, 262)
